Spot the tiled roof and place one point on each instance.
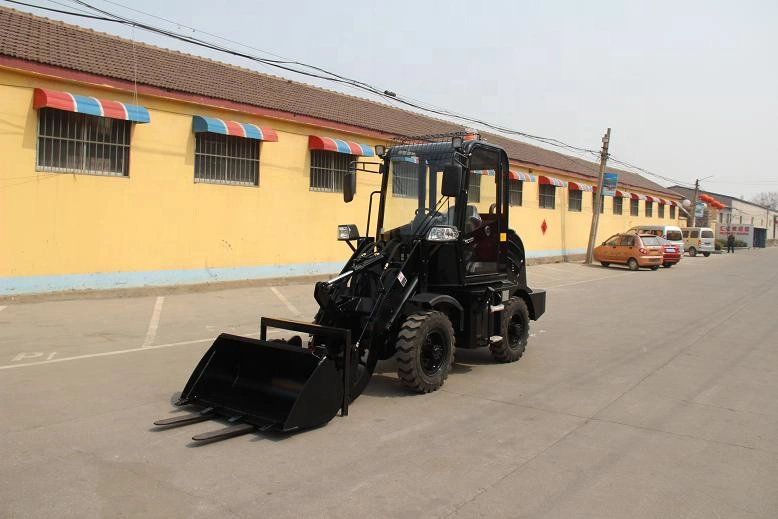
(40, 40)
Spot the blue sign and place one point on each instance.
(609, 182)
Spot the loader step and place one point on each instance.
(494, 339)
(186, 419)
(223, 434)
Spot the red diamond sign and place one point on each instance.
(543, 227)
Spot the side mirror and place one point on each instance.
(349, 186)
(452, 180)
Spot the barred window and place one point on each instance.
(474, 188)
(515, 191)
(547, 194)
(672, 211)
(574, 200)
(618, 205)
(226, 159)
(633, 207)
(80, 143)
(405, 179)
(649, 209)
(661, 210)
(327, 170)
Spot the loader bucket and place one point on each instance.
(266, 384)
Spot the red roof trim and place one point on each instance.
(127, 86)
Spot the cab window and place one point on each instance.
(613, 240)
(695, 234)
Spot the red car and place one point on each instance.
(671, 253)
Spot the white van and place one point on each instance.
(698, 239)
(670, 233)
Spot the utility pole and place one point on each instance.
(598, 197)
(694, 202)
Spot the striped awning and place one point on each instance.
(489, 172)
(44, 98)
(662, 201)
(249, 131)
(316, 142)
(577, 186)
(543, 179)
(524, 177)
(636, 196)
(623, 194)
(650, 198)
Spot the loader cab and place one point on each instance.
(460, 221)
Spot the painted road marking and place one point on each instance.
(284, 300)
(3, 308)
(51, 360)
(151, 334)
(590, 280)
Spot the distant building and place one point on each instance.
(749, 222)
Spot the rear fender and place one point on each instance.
(535, 300)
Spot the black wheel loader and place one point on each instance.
(435, 274)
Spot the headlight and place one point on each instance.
(443, 233)
(347, 232)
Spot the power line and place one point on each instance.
(318, 73)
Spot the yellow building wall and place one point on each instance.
(157, 226)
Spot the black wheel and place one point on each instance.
(692, 252)
(514, 330)
(425, 351)
(667, 265)
(604, 263)
(706, 254)
(632, 263)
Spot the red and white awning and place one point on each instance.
(520, 175)
(316, 142)
(246, 130)
(578, 186)
(637, 196)
(44, 98)
(552, 181)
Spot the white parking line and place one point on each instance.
(284, 300)
(151, 334)
(590, 280)
(3, 308)
(121, 352)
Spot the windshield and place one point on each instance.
(650, 240)
(413, 203)
(707, 234)
(674, 235)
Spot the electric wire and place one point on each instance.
(323, 74)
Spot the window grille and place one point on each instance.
(80, 143)
(649, 209)
(661, 211)
(618, 205)
(515, 191)
(474, 188)
(328, 169)
(405, 179)
(574, 200)
(226, 159)
(633, 207)
(547, 194)
(672, 211)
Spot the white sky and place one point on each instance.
(690, 89)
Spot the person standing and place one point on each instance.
(731, 244)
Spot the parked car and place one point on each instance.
(668, 232)
(633, 250)
(698, 239)
(671, 253)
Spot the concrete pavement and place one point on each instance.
(642, 394)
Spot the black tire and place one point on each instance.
(514, 330)
(706, 254)
(632, 263)
(425, 351)
(692, 252)
(656, 267)
(667, 265)
(604, 263)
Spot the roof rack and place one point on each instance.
(466, 134)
